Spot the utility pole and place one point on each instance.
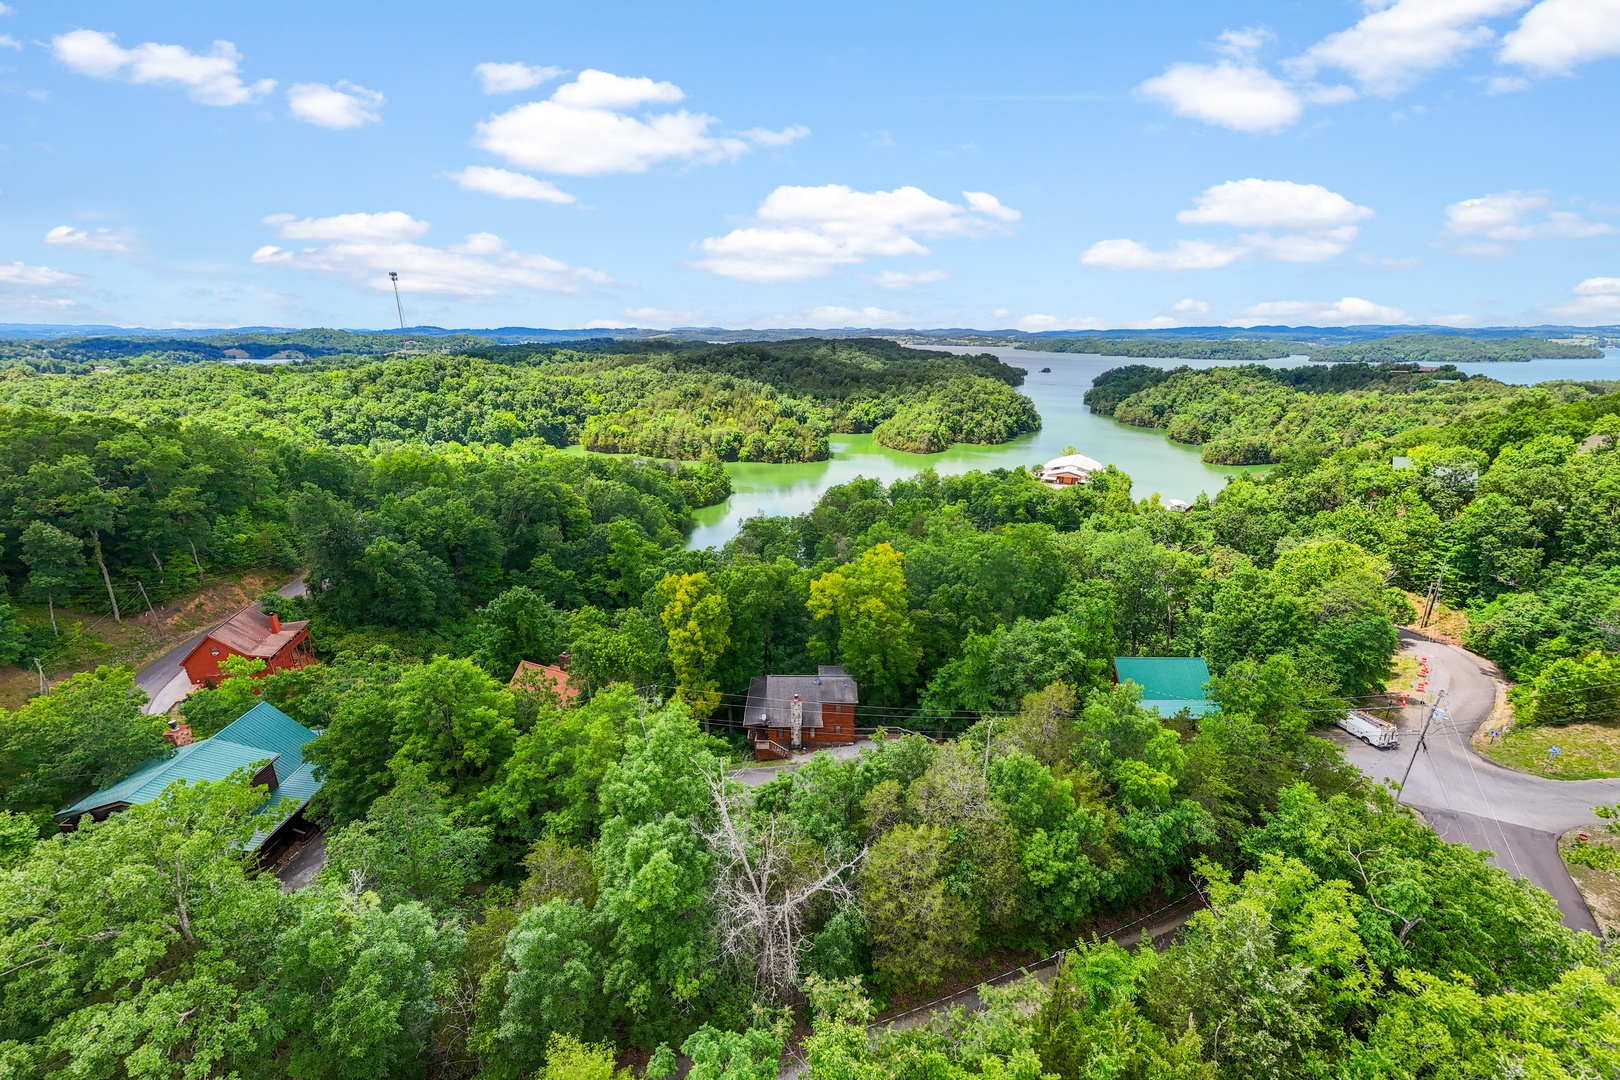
(394, 277)
(1423, 732)
(991, 727)
(148, 600)
(1433, 597)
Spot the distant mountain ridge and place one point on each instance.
(510, 335)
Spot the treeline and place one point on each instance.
(774, 402)
(105, 514)
(1240, 349)
(1254, 415)
(1398, 348)
(1446, 349)
(84, 355)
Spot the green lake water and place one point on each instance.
(1154, 463)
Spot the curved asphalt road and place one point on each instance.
(164, 682)
(1472, 800)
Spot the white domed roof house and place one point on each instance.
(1068, 470)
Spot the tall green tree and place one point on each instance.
(875, 638)
(55, 561)
(88, 732)
(410, 848)
(354, 985)
(698, 623)
(137, 946)
(519, 624)
(455, 722)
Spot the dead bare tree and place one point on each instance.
(764, 887)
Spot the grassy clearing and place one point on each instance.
(1586, 751)
(1445, 623)
(137, 641)
(1599, 888)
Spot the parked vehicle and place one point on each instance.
(1371, 730)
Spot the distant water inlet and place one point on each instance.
(1154, 463)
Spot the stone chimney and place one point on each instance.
(275, 623)
(796, 721)
(178, 734)
(562, 661)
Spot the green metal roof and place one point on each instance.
(266, 726)
(263, 733)
(300, 787)
(1174, 680)
(1168, 707)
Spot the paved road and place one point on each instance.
(304, 867)
(755, 775)
(164, 681)
(1470, 798)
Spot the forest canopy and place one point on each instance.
(518, 885)
(1397, 348)
(771, 402)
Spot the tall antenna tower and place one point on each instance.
(392, 276)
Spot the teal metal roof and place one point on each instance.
(1166, 679)
(300, 787)
(266, 726)
(1168, 707)
(263, 733)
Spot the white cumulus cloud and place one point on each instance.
(97, 240)
(1595, 299)
(1489, 224)
(1557, 35)
(834, 316)
(510, 78)
(1238, 95)
(1181, 255)
(767, 137)
(586, 128)
(901, 279)
(509, 185)
(37, 289)
(21, 274)
(9, 42)
(807, 232)
(1278, 204)
(363, 247)
(342, 106)
(1037, 322)
(1319, 225)
(1351, 310)
(211, 78)
(1396, 44)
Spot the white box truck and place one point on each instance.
(1371, 730)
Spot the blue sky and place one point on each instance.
(1031, 165)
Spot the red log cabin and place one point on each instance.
(789, 713)
(253, 634)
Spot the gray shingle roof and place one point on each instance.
(770, 697)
